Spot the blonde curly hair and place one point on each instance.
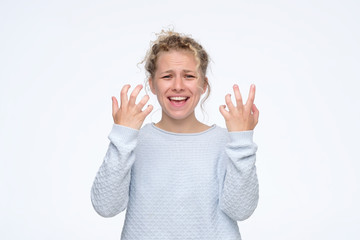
(169, 40)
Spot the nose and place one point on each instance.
(178, 84)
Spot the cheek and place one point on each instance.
(158, 89)
(161, 89)
(196, 89)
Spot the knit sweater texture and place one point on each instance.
(177, 185)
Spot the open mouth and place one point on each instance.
(178, 100)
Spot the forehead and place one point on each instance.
(176, 60)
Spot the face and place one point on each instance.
(177, 84)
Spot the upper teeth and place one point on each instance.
(178, 98)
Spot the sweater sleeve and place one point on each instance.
(110, 190)
(240, 189)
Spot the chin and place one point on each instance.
(177, 116)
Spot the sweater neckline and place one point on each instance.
(212, 127)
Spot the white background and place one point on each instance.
(61, 61)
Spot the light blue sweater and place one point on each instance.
(178, 185)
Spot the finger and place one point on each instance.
(251, 97)
(123, 94)
(238, 97)
(147, 111)
(115, 105)
(134, 94)
(256, 113)
(142, 102)
(224, 112)
(228, 102)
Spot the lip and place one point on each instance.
(178, 98)
(177, 95)
(178, 103)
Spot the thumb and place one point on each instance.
(115, 105)
(223, 111)
(147, 111)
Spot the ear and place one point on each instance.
(151, 84)
(205, 85)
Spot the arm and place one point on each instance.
(110, 190)
(240, 191)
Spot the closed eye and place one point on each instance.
(166, 76)
(190, 76)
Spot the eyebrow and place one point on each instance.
(185, 70)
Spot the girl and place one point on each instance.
(178, 178)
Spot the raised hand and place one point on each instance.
(240, 117)
(130, 114)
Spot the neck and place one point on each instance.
(187, 125)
